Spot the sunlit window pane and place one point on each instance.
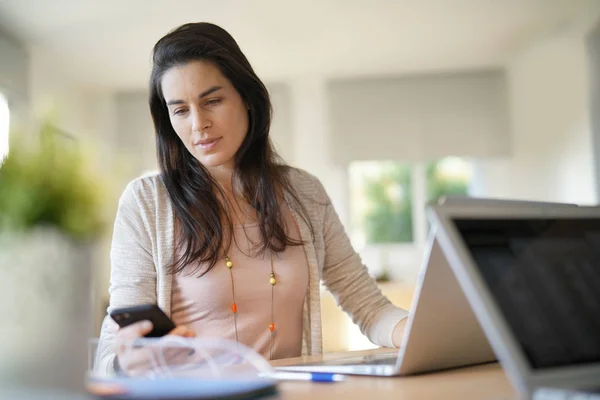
(381, 202)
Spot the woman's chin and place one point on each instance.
(215, 161)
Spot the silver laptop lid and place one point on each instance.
(532, 275)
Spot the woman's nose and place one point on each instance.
(200, 122)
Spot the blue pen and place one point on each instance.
(307, 376)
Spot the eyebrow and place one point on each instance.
(203, 94)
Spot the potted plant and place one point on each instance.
(50, 213)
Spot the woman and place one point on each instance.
(228, 240)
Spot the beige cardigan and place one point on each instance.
(143, 247)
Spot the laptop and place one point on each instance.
(532, 275)
(441, 332)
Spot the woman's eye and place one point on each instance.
(212, 102)
(179, 111)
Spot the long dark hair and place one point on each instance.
(259, 173)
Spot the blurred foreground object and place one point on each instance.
(50, 213)
(173, 367)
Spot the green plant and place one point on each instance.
(49, 185)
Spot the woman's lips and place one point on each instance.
(206, 144)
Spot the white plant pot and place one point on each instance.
(45, 310)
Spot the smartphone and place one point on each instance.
(128, 315)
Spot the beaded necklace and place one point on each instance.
(272, 282)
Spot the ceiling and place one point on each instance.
(107, 43)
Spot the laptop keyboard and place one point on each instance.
(388, 360)
(373, 359)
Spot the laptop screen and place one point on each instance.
(544, 275)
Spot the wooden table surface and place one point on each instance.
(477, 382)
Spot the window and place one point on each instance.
(384, 195)
(4, 124)
(381, 202)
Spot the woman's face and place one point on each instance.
(206, 112)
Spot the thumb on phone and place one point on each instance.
(135, 330)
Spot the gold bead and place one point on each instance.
(272, 281)
(229, 264)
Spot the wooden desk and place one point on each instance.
(478, 382)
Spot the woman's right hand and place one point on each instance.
(137, 361)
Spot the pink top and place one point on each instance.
(204, 304)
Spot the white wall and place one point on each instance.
(312, 149)
(593, 51)
(85, 114)
(13, 68)
(14, 81)
(551, 155)
(54, 96)
(281, 125)
(135, 143)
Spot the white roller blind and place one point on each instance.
(419, 118)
